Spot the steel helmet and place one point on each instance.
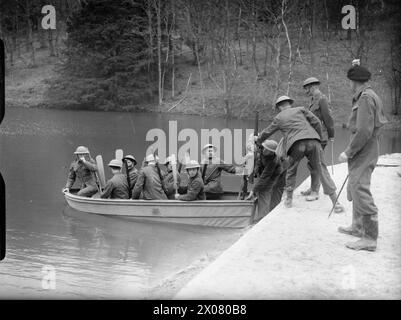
(130, 157)
(209, 145)
(283, 98)
(116, 163)
(311, 80)
(270, 145)
(192, 165)
(81, 150)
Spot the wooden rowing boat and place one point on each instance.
(226, 213)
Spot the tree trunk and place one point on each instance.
(51, 45)
(289, 47)
(159, 53)
(255, 64)
(30, 41)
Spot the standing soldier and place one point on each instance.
(302, 133)
(211, 172)
(84, 168)
(117, 186)
(320, 108)
(362, 153)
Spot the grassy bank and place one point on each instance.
(44, 87)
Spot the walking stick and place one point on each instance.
(335, 202)
(332, 157)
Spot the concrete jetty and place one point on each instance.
(298, 253)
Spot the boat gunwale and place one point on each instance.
(142, 202)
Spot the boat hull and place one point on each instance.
(211, 213)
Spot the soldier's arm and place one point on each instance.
(71, 177)
(266, 133)
(90, 164)
(138, 185)
(192, 192)
(107, 190)
(326, 117)
(364, 126)
(228, 168)
(314, 121)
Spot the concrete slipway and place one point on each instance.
(298, 253)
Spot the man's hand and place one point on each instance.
(343, 157)
(176, 196)
(250, 196)
(331, 139)
(65, 190)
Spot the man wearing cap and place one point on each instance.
(320, 107)
(212, 167)
(270, 184)
(168, 179)
(149, 182)
(302, 133)
(195, 188)
(84, 168)
(367, 117)
(132, 172)
(117, 186)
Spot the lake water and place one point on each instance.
(95, 256)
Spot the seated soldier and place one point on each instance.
(132, 172)
(211, 172)
(195, 188)
(271, 172)
(117, 186)
(84, 168)
(168, 179)
(149, 182)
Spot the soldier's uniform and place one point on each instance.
(195, 190)
(363, 151)
(320, 108)
(211, 171)
(270, 184)
(85, 173)
(168, 181)
(302, 133)
(149, 184)
(116, 187)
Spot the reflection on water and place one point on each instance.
(97, 256)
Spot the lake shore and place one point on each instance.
(306, 258)
(29, 88)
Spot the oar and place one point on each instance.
(174, 166)
(119, 154)
(335, 202)
(100, 169)
(332, 157)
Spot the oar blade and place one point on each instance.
(100, 168)
(119, 154)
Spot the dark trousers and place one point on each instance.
(309, 148)
(327, 182)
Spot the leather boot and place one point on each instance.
(288, 199)
(313, 196)
(369, 238)
(306, 192)
(355, 229)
